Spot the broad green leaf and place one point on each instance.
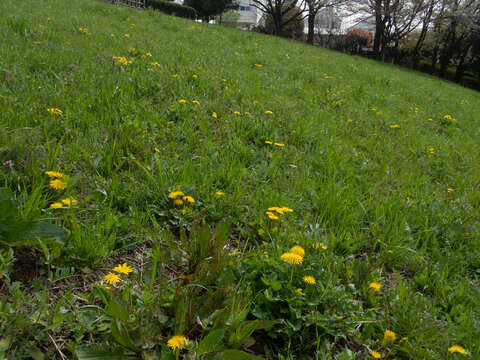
(87, 353)
(121, 335)
(117, 311)
(212, 342)
(235, 355)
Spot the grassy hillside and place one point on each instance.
(378, 164)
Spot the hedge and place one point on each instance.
(172, 8)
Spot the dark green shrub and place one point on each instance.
(172, 8)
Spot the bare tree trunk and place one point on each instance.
(461, 65)
(447, 49)
(378, 39)
(311, 26)
(423, 34)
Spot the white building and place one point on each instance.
(248, 14)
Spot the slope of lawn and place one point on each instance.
(380, 166)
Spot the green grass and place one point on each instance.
(375, 195)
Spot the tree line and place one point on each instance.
(442, 36)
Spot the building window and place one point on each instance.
(244, 8)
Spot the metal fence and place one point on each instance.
(131, 3)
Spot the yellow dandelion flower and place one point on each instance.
(111, 278)
(450, 190)
(236, 112)
(271, 215)
(174, 76)
(55, 111)
(279, 144)
(299, 291)
(291, 258)
(375, 286)
(196, 102)
(156, 149)
(430, 119)
(395, 126)
(177, 342)
(258, 65)
(58, 184)
(178, 202)
(214, 115)
(389, 335)
(69, 202)
(269, 112)
(54, 174)
(182, 101)
(189, 199)
(126, 36)
(309, 280)
(56, 205)
(298, 250)
(375, 354)
(286, 209)
(148, 54)
(268, 142)
(220, 193)
(350, 120)
(195, 76)
(457, 349)
(123, 269)
(404, 339)
(175, 194)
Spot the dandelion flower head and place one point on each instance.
(375, 286)
(178, 202)
(309, 280)
(271, 215)
(298, 250)
(55, 111)
(54, 174)
(457, 349)
(291, 258)
(69, 202)
(58, 184)
(375, 354)
(389, 335)
(123, 269)
(175, 194)
(177, 342)
(189, 199)
(111, 278)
